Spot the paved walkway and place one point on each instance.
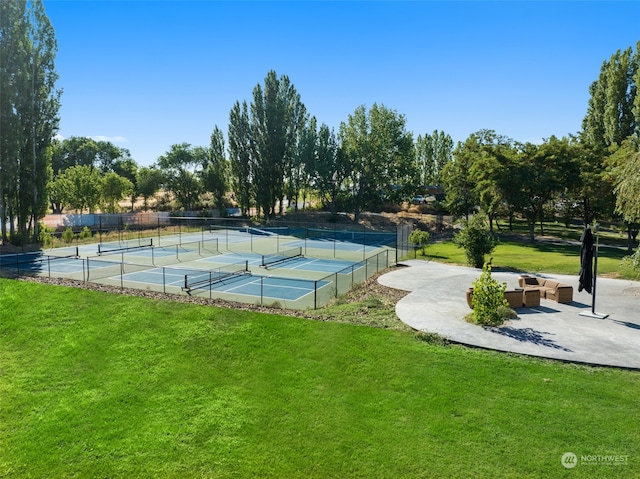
(553, 330)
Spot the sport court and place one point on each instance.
(252, 265)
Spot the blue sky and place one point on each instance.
(149, 74)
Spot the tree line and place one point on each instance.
(593, 175)
(275, 152)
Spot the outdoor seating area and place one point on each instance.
(549, 289)
(517, 298)
(530, 290)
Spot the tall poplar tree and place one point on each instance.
(242, 174)
(277, 116)
(613, 113)
(613, 117)
(12, 34)
(433, 152)
(29, 112)
(215, 171)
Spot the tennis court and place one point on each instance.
(224, 281)
(259, 265)
(300, 263)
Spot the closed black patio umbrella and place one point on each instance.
(589, 269)
(586, 261)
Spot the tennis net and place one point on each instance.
(107, 248)
(206, 279)
(286, 255)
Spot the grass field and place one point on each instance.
(101, 385)
(556, 258)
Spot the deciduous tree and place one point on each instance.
(330, 167)
(381, 155)
(277, 114)
(148, 182)
(215, 170)
(180, 167)
(114, 188)
(80, 187)
(242, 171)
(28, 112)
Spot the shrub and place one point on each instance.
(490, 308)
(68, 235)
(419, 238)
(476, 240)
(633, 261)
(17, 239)
(46, 234)
(85, 233)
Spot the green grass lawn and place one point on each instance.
(101, 385)
(610, 233)
(538, 257)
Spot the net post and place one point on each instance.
(210, 287)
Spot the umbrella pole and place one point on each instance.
(593, 313)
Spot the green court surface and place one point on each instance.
(296, 273)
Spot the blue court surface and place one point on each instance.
(234, 258)
(168, 276)
(39, 263)
(298, 263)
(267, 287)
(332, 244)
(242, 284)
